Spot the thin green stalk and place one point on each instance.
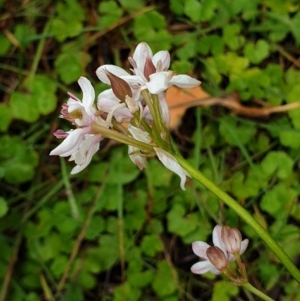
(244, 214)
(111, 134)
(69, 191)
(257, 292)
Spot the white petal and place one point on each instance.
(108, 94)
(112, 69)
(139, 134)
(88, 92)
(244, 246)
(202, 267)
(136, 158)
(142, 51)
(164, 57)
(184, 81)
(171, 163)
(164, 108)
(84, 155)
(217, 240)
(200, 248)
(71, 144)
(158, 82)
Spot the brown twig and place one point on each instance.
(236, 107)
(10, 268)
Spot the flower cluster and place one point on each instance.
(228, 246)
(133, 111)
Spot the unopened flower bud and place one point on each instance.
(119, 86)
(217, 257)
(232, 239)
(149, 68)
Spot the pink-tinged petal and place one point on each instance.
(108, 95)
(88, 93)
(84, 155)
(184, 81)
(71, 144)
(139, 134)
(112, 69)
(244, 246)
(135, 156)
(164, 57)
(141, 53)
(200, 248)
(105, 104)
(202, 267)
(171, 163)
(60, 134)
(165, 112)
(135, 81)
(158, 83)
(217, 239)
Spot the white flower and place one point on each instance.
(171, 163)
(200, 248)
(81, 143)
(87, 149)
(149, 70)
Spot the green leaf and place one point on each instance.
(180, 223)
(110, 13)
(231, 36)
(22, 33)
(279, 200)
(69, 64)
(208, 9)
(5, 45)
(18, 161)
(23, 107)
(68, 22)
(62, 219)
(163, 283)
(192, 8)
(73, 293)
(140, 279)
(3, 207)
(157, 174)
(5, 117)
(224, 290)
(58, 265)
(151, 245)
(132, 5)
(43, 93)
(126, 291)
(177, 7)
(236, 133)
(212, 43)
(256, 53)
(95, 228)
(290, 138)
(267, 272)
(279, 162)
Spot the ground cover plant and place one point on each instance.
(113, 232)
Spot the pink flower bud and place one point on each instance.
(119, 86)
(232, 239)
(149, 68)
(217, 257)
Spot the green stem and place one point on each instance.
(257, 292)
(244, 214)
(111, 134)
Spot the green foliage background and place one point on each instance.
(112, 232)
